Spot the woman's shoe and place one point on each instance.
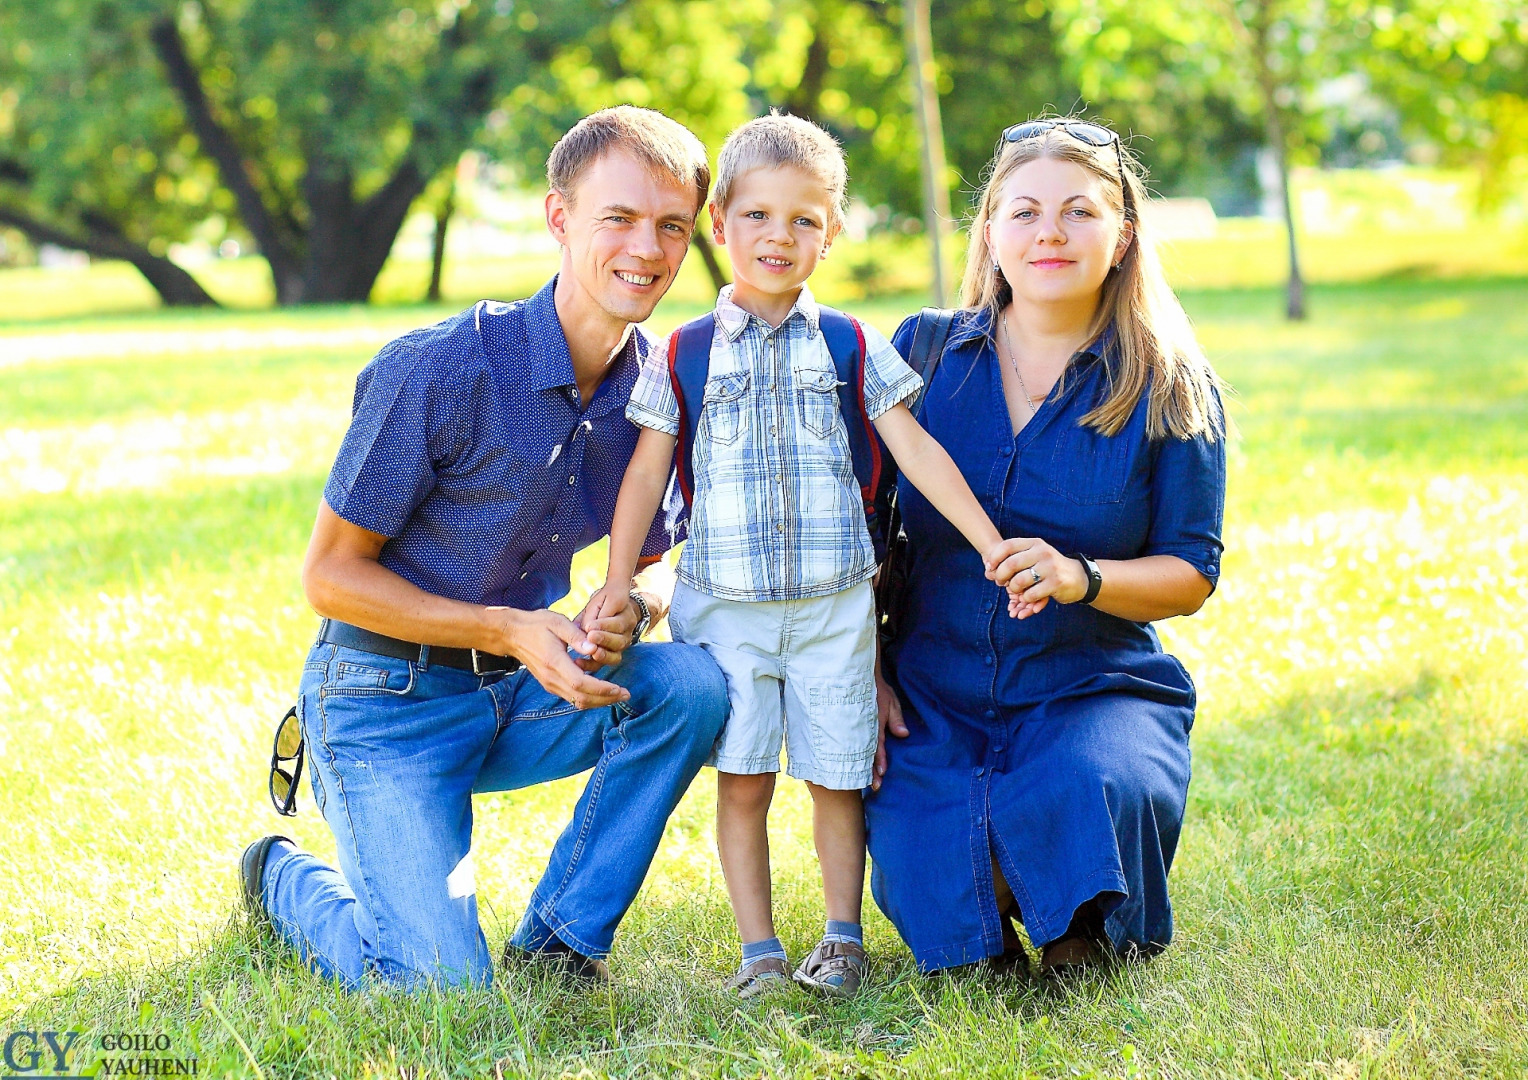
(1070, 956)
(1015, 958)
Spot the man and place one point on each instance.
(482, 453)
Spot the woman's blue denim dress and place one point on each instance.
(1058, 743)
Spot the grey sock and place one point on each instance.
(845, 933)
(753, 950)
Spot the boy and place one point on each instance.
(775, 580)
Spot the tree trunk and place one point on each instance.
(802, 101)
(1294, 293)
(174, 285)
(348, 244)
(1257, 37)
(936, 195)
(279, 249)
(438, 244)
(702, 244)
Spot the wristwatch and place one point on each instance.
(646, 619)
(1095, 579)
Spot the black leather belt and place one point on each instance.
(353, 637)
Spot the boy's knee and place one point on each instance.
(745, 792)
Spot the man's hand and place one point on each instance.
(541, 641)
(888, 711)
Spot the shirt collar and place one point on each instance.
(551, 363)
(733, 319)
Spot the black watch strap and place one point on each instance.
(1095, 579)
(646, 621)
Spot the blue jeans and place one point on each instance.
(396, 750)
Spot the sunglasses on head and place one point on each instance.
(288, 748)
(1082, 131)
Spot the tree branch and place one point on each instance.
(217, 142)
(102, 239)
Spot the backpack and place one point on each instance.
(689, 361)
(929, 336)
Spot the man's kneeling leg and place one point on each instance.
(393, 774)
(644, 752)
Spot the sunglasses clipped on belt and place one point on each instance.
(288, 747)
(1081, 130)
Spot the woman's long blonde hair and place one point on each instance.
(1157, 352)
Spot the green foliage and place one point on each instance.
(88, 125)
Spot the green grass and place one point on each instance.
(1350, 884)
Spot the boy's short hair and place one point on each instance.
(664, 145)
(781, 139)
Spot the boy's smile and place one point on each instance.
(776, 227)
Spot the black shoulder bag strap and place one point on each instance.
(930, 334)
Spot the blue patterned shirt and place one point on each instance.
(777, 513)
(469, 447)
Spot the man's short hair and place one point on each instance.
(664, 145)
(781, 139)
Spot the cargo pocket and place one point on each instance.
(841, 711)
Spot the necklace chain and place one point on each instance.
(1013, 362)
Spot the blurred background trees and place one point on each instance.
(307, 131)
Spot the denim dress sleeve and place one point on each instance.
(1188, 501)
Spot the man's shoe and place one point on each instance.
(834, 968)
(252, 871)
(557, 958)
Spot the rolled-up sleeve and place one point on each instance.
(402, 428)
(1188, 500)
(888, 379)
(653, 404)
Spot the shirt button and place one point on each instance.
(779, 527)
(987, 659)
(1007, 450)
(525, 575)
(991, 715)
(572, 480)
(554, 540)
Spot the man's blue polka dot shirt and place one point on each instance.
(469, 448)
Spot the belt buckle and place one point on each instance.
(478, 670)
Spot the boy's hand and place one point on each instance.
(608, 620)
(1033, 572)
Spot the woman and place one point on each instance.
(1041, 773)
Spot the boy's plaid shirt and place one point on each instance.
(777, 513)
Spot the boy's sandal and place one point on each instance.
(834, 968)
(763, 975)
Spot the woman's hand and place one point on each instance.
(1034, 573)
(888, 711)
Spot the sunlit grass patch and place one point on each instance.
(1349, 886)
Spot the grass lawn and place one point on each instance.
(1350, 885)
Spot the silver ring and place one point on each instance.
(1036, 575)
